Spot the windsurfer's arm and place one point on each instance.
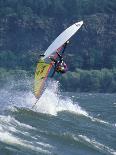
(59, 55)
(64, 46)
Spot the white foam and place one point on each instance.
(97, 145)
(52, 102)
(94, 144)
(9, 126)
(8, 138)
(8, 120)
(44, 144)
(98, 120)
(101, 121)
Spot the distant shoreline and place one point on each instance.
(92, 81)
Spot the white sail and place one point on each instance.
(62, 38)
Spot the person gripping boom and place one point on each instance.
(60, 65)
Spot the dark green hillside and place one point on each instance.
(27, 28)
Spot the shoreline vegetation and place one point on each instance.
(93, 81)
(28, 27)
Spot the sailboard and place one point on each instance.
(62, 38)
(45, 66)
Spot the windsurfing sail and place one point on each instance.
(45, 67)
(43, 71)
(40, 76)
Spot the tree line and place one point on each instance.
(28, 27)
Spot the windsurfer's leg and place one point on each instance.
(55, 66)
(60, 57)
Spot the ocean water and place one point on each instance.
(61, 123)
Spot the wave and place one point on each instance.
(11, 121)
(92, 143)
(10, 139)
(11, 130)
(96, 145)
(51, 102)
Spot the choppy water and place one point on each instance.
(60, 123)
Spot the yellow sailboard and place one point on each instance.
(41, 73)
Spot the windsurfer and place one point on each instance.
(60, 66)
